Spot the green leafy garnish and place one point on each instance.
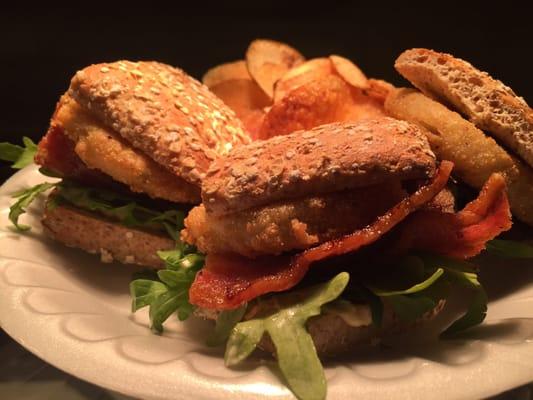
(413, 289)
(18, 155)
(226, 321)
(25, 198)
(121, 208)
(146, 291)
(295, 350)
(478, 306)
(169, 292)
(115, 206)
(464, 274)
(439, 274)
(510, 249)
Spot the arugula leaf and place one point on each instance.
(144, 292)
(25, 198)
(462, 273)
(168, 293)
(413, 289)
(410, 308)
(295, 350)
(243, 339)
(167, 303)
(121, 208)
(510, 249)
(225, 322)
(18, 155)
(355, 292)
(110, 204)
(478, 307)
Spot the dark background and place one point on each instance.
(42, 48)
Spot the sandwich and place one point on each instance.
(308, 244)
(131, 142)
(471, 119)
(316, 243)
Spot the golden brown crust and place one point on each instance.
(161, 111)
(326, 159)
(291, 224)
(113, 241)
(102, 149)
(487, 102)
(475, 155)
(317, 102)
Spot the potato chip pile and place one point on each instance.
(275, 90)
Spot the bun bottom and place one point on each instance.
(334, 337)
(113, 241)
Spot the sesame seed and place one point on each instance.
(104, 70)
(189, 162)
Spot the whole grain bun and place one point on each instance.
(113, 241)
(475, 155)
(334, 336)
(325, 159)
(161, 111)
(102, 149)
(487, 102)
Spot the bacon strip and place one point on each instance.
(463, 234)
(226, 282)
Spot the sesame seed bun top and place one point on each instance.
(161, 111)
(328, 158)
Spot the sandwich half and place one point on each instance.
(132, 142)
(322, 240)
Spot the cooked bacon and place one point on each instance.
(226, 282)
(463, 234)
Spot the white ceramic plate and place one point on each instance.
(74, 312)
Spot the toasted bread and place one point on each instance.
(161, 111)
(475, 155)
(113, 241)
(325, 159)
(487, 102)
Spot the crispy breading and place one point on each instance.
(475, 155)
(288, 225)
(161, 111)
(102, 149)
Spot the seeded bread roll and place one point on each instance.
(487, 102)
(326, 159)
(102, 149)
(161, 111)
(475, 155)
(335, 335)
(113, 241)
